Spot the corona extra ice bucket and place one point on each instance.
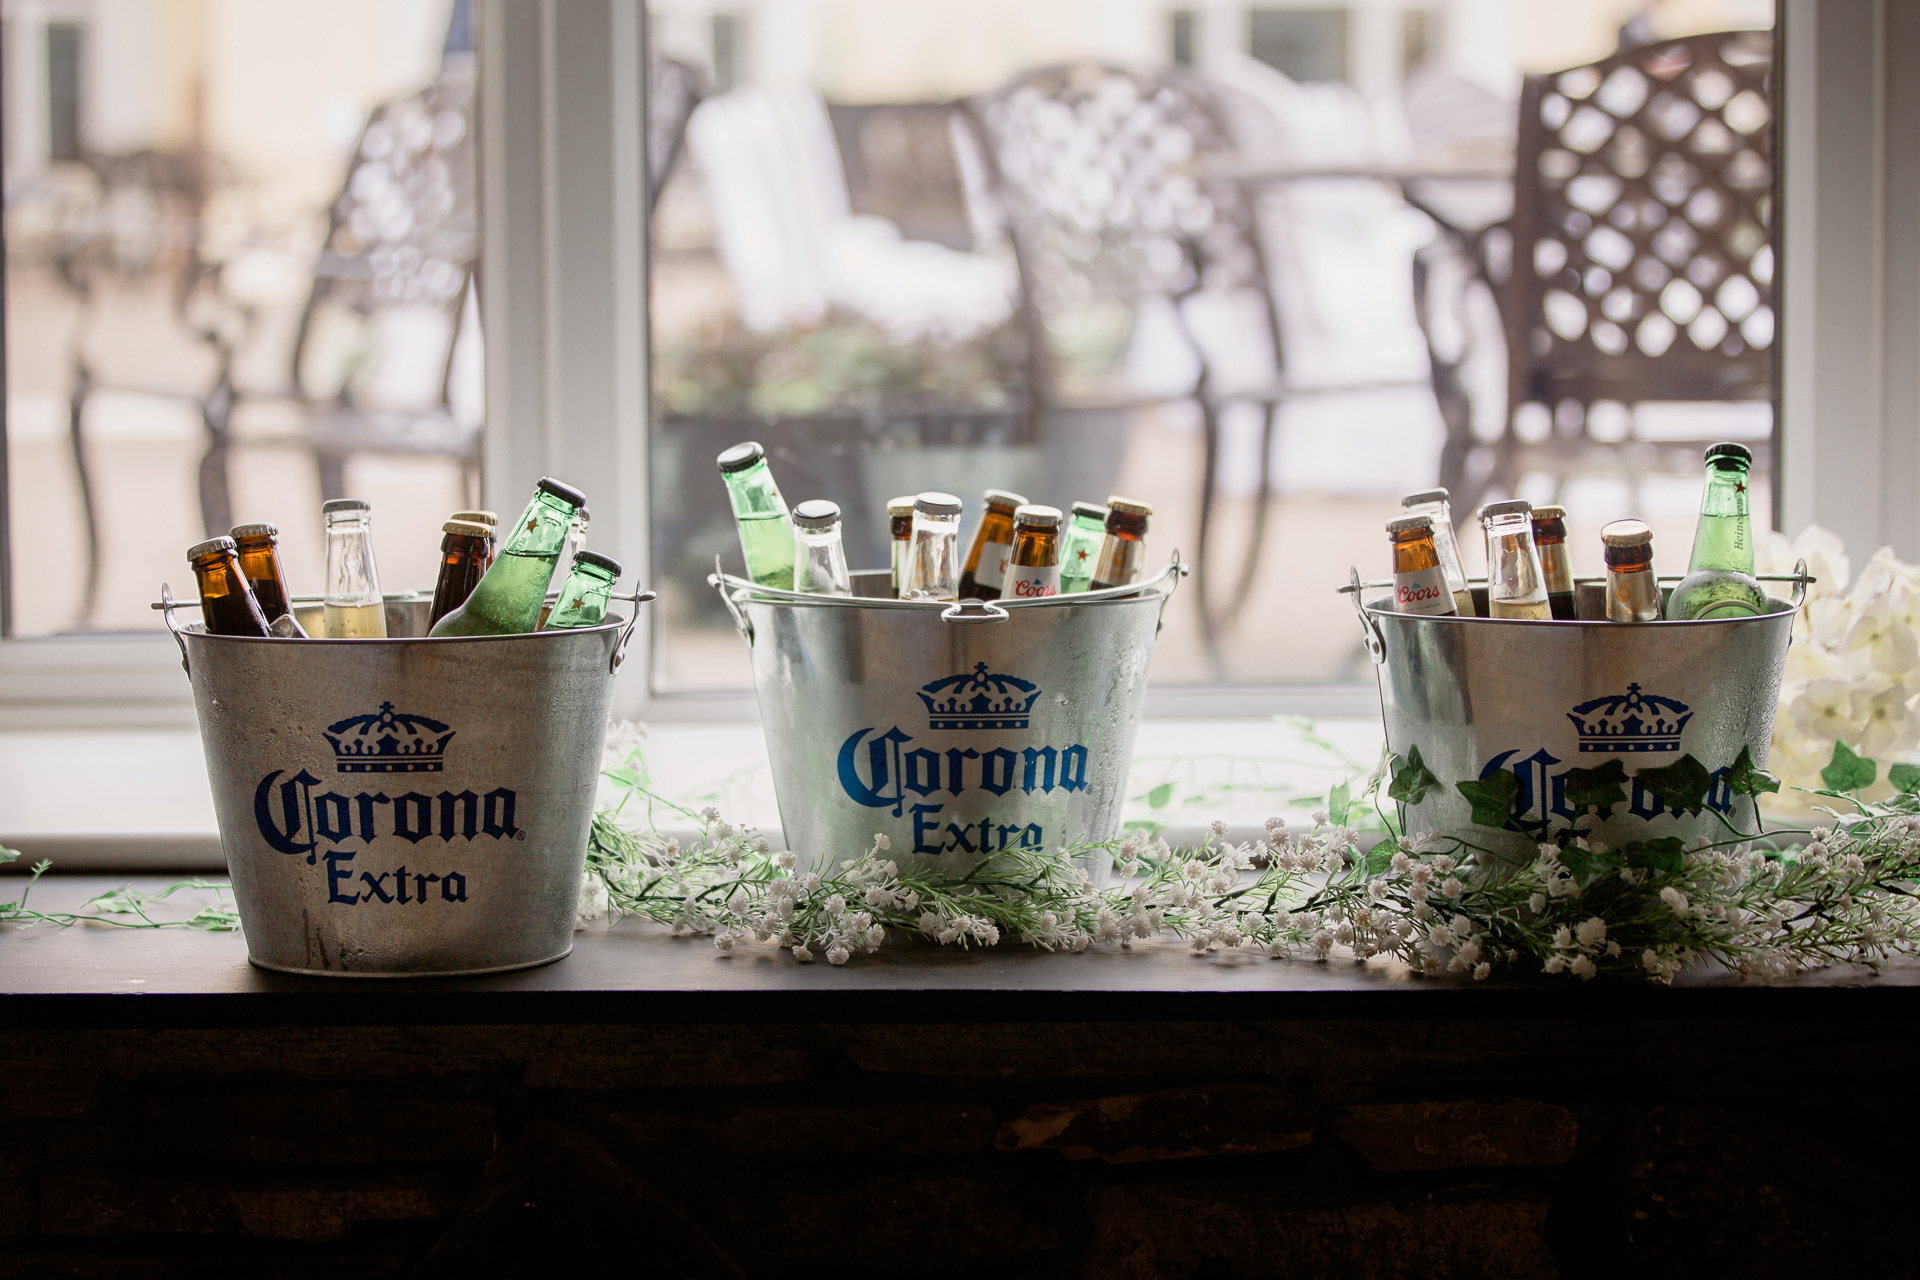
(405, 806)
(956, 730)
(1536, 699)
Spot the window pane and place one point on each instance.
(959, 245)
(240, 245)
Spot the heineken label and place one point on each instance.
(1030, 582)
(1422, 591)
(992, 570)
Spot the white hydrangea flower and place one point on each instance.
(838, 953)
(1592, 932)
(784, 860)
(1583, 967)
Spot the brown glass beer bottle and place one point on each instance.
(1419, 579)
(1123, 556)
(984, 576)
(257, 547)
(226, 606)
(466, 548)
(1033, 566)
(1550, 539)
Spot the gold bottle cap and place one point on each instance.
(900, 506)
(480, 517)
(1549, 513)
(1130, 506)
(468, 528)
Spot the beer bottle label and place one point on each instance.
(1423, 591)
(1030, 582)
(992, 569)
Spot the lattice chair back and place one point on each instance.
(1643, 264)
(1088, 170)
(674, 89)
(403, 234)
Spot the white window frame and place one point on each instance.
(564, 309)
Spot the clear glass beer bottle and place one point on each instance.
(465, 549)
(352, 609)
(986, 568)
(1720, 581)
(1419, 583)
(1437, 506)
(766, 526)
(819, 556)
(1033, 563)
(1516, 584)
(900, 539)
(934, 573)
(1633, 593)
(258, 549)
(1080, 546)
(227, 607)
(1123, 553)
(508, 599)
(1550, 539)
(584, 595)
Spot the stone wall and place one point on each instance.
(1376, 1149)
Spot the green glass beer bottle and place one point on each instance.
(583, 597)
(1720, 581)
(1080, 546)
(766, 526)
(507, 601)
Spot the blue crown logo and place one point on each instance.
(1630, 721)
(388, 742)
(979, 700)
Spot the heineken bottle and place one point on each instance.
(1080, 546)
(583, 597)
(1720, 581)
(507, 601)
(766, 527)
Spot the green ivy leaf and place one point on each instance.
(1905, 778)
(1587, 865)
(1847, 771)
(1380, 855)
(1747, 779)
(1412, 780)
(1664, 854)
(1682, 785)
(1158, 797)
(1604, 786)
(1339, 800)
(1492, 798)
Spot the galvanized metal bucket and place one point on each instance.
(1481, 695)
(407, 806)
(956, 730)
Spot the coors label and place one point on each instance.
(1423, 591)
(1030, 582)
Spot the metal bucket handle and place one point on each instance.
(1376, 643)
(166, 607)
(637, 599)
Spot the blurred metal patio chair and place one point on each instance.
(674, 89)
(1086, 172)
(1638, 264)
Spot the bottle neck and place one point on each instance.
(753, 491)
(1724, 538)
(542, 529)
(1414, 554)
(1035, 548)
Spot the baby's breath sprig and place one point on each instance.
(1438, 905)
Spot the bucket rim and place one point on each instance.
(1780, 609)
(1156, 588)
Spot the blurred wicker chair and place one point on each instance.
(1638, 264)
(1085, 170)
